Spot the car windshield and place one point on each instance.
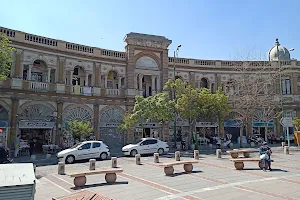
(138, 141)
(76, 145)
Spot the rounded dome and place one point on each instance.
(278, 52)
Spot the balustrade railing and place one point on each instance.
(112, 92)
(39, 86)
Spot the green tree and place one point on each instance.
(79, 129)
(156, 108)
(5, 57)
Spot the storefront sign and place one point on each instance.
(37, 125)
(206, 124)
(231, 124)
(3, 124)
(262, 124)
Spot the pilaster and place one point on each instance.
(61, 68)
(130, 67)
(164, 68)
(18, 72)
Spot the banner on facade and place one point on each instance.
(37, 125)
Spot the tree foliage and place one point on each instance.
(5, 57)
(79, 129)
(296, 123)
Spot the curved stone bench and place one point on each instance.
(187, 166)
(246, 152)
(239, 162)
(110, 175)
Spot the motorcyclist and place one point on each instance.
(265, 152)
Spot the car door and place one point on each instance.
(144, 147)
(84, 151)
(153, 145)
(96, 150)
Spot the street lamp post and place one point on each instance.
(174, 97)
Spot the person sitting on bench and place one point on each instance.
(265, 155)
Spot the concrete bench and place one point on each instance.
(187, 166)
(246, 152)
(239, 162)
(110, 175)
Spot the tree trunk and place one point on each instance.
(241, 135)
(266, 130)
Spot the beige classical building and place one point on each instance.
(54, 81)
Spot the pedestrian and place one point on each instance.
(265, 156)
(31, 147)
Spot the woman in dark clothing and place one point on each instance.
(31, 148)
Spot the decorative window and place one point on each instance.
(286, 86)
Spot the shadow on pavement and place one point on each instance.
(273, 170)
(182, 173)
(99, 184)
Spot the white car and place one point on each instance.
(146, 146)
(84, 150)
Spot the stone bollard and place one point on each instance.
(283, 144)
(61, 168)
(210, 145)
(196, 154)
(286, 150)
(114, 163)
(177, 155)
(252, 144)
(138, 159)
(219, 153)
(92, 164)
(48, 156)
(156, 157)
(33, 157)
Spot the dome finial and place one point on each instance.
(277, 42)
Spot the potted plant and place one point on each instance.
(296, 123)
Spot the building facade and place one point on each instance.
(53, 82)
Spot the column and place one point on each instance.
(71, 77)
(86, 79)
(135, 81)
(105, 82)
(119, 82)
(140, 82)
(158, 84)
(48, 74)
(96, 121)
(13, 121)
(59, 122)
(29, 72)
(153, 83)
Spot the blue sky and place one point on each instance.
(206, 29)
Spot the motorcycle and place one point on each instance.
(4, 158)
(226, 143)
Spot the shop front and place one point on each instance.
(39, 132)
(260, 129)
(233, 128)
(147, 130)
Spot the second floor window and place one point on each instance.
(286, 86)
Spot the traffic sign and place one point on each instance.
(287, 122)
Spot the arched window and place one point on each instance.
(203, 83)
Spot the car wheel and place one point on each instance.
(70, 159)
(103, 156)
(160, 151)
(133, 152)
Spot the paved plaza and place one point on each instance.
(212, 179)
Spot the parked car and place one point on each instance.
(84, 150)
(146, 146)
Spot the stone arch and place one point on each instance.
(148, 54)
(109, 120)
(262, 116)
(111, 114)
(204, 83)
(36, 110)
(4, 112)
(77, 112)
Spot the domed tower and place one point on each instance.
(278, 52)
